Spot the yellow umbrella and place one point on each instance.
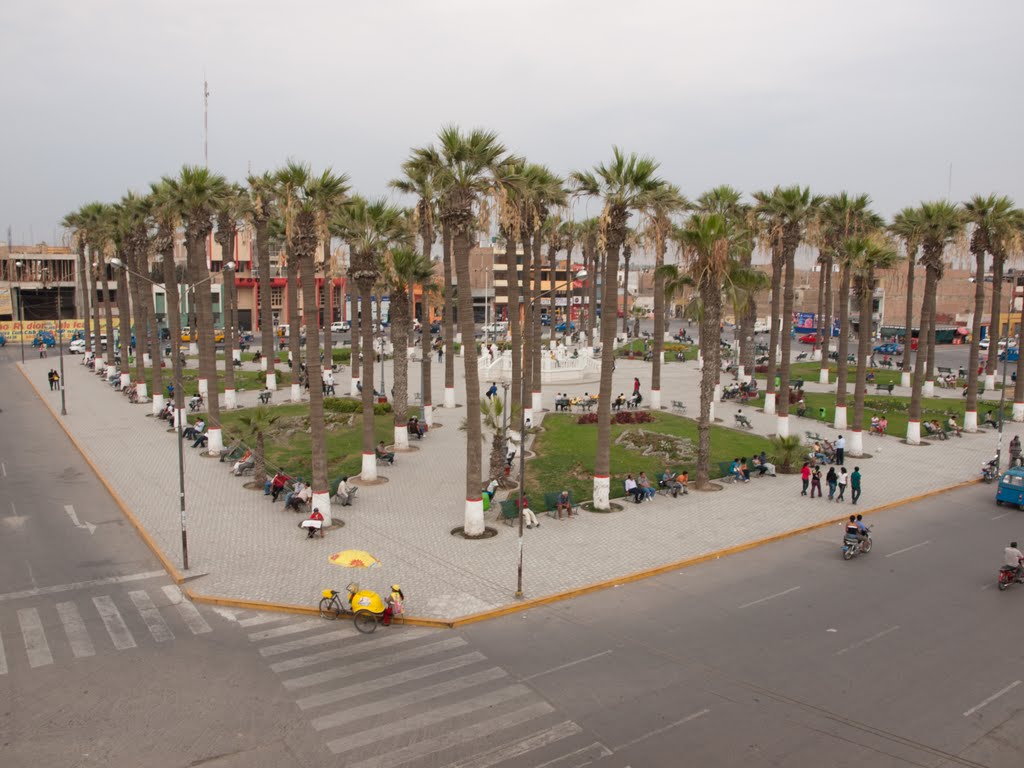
(355, 558)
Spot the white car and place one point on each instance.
(342, 326)
(1003, 343)
(77, 347)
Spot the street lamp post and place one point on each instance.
(21, 305)
(581, 275)
(1006, 361)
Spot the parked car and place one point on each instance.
(495, 328)
(342, 326)
(77, 347)
(889, 348)
(1003, 343)
(808, 338)
(561, 327)
(44, 338)
(3, 340)
(761, 326)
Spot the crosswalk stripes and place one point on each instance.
(513, 749)
(41, 650)
(344, 651)
(36, 647)
(288, 629)
(74, 628)
(579, 758)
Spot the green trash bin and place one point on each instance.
(487, 501)
(822, 413)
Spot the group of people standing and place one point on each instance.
(837, 481)
(54, 379)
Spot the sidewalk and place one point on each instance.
(246, 548)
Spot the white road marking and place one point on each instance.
(307, 642)
(567, 665)
(4, 468)
(1000, 517)
(74, 628)
(74, 519)
(580, 757)
(770, 597)
(189, 613)
(226, 613)
(347, 650)
(450, 739)
(992, 698)
(36, 647)
(116, 628)
(381, 662)
(3, 657)
(413, 723)
(290, 629)
(80, 585)
(520, 746)
(865, 641)
(154, 621)
(907, 549)
(664, 728)
(380, 683)
(377, 708)
(263, 618)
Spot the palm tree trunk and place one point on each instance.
(230, 296)
(819, 330)
(152, 338)
(526, 283)
(537, 327)
(294, 332)
(268, 348)
(426, 394)
(747, 342)
(366, 327)
(995, 330)
(627, 253)
(108, 309)
(317, 428)
(356, 333)
(400, 323)
(776, 329)
(86, 283)
(908, 331)
(914, 411)
(826, 342)
(971, 407)
(842, 365)
(603, 457)
(141, 324)
(787, 336)
(1018, 389)
(174, 322)
(328, 285)
(863, 350)
(448, 319)
(207, 353)
(659, 319)
(259, 460)
(514, 319)
(711, 353)
(124, 321)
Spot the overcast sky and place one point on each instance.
(879, 97)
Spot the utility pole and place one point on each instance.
(206, 123)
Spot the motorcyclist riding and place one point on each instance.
(1014, 558)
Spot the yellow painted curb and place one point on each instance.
(154, 548)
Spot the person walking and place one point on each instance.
(855, 485)
(840, 447)
(636, 387)
(831, 479)
(816, 481)
(1015, 451)
(805, 477)
(843, 479)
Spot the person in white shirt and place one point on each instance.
(633, 489)
(492, 488)
(191, 433)
(1012, 557)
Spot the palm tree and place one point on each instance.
(289, 183)
(134, 221)
(101, 232)
(118, 227)
(166, 217)
(789, 211)
(406, 269)
(261, 210)
(230, 210)
(867, 255)
(198, 194)
(625, 185)
(1001, 217)
(370, 228)
(466, 174)
(256, 422)
(76, 221)
(589, 234)
(906, 225)
(844, 217)
(940, 222)
(510, 221)
(418, 180)
(330, 192)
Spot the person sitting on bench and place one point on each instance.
(345, 492)
(564, 501)
(385, 455)
(277, 485)
(244, 463)
(633, 489)
(415, 428)
(618, 402)
(195, 402)
(191, 433)
(311, 530)
(299, 499)
(763, 465)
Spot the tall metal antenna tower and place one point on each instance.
(206, 122)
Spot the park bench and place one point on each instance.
(814, 437)
(381, 458)
(586, 404)
(942, 433)
(509, 512)
(884, 387)
(423, 425)
(551, 505)
(679, 405)
(726, 475)
(944, 370)
(352, 490)
(797, 384)
(742, 421)
(265, 396)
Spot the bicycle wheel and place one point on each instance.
(328, 608)
(365, 621)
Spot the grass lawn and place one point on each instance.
(565, 453)
(636, 346)
(247, 380)
(288, 442)
(810, 372)
(893, 408)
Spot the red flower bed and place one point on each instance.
(620, 417)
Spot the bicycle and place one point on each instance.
(370, 611)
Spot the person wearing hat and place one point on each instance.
(395, 603)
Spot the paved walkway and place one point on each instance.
(247, 548)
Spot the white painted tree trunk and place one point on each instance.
(655, 399)
(528, 418)
(401, 437)
(602, 487)
(700, 362)
(473, 525)
(369, 472)
(449, 397)
(204, 388)
(904, 378)
(263, 363)
(193, 348)
(782, 425)
(296, 393)
(428, 414)
(840, 419)
(147, 360)
(823, 375)
(100, 366)
(236, 354)
(740, 372)
(322, 502)
(990, 382)
(215, 442)
(354, 388)
(856, 445)
(538, 402)
(179, 418)
(929, 388)
(769, 403)
(143, 391)
(126, 380)
(914, 432)
(158, 404)
(971, 420)
(1018, 411)
(230, 399)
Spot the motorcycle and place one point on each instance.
(1008, 576)
(852, 546)
(989, 471)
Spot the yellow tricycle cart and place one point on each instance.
(364, 606)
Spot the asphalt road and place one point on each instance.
(783, 655)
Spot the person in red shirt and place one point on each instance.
(805, 476)
(320, 518)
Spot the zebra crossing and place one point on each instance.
(410, 697)
(43, 635)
